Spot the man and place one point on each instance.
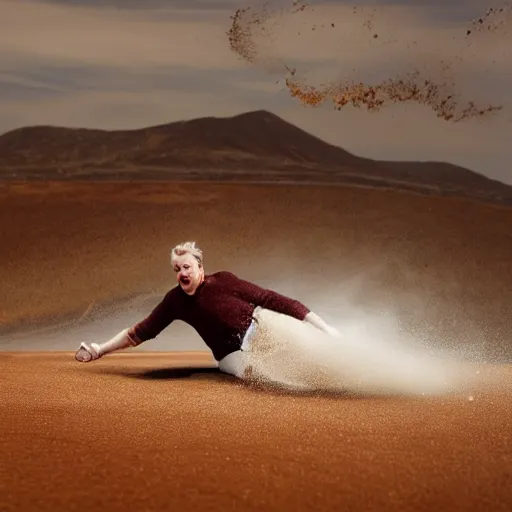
(227, 312)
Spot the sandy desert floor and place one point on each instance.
(442, 266)
(135, 430)
(141, 432)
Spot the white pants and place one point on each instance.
(270, 350)
(236, 362)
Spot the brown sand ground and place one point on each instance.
(130, 432)
(444, 265)
(125, 433)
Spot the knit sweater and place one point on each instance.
(220, 311)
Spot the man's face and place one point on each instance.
(188, 273)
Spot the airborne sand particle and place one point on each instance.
(399, 90)
(436, 92)
(370, 358)
(493, 19)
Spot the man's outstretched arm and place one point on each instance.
(161, 316)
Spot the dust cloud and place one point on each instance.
(374, 57)
(388, 58)
(370, 358)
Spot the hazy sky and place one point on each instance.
(120, 64)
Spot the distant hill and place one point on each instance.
(254, 147)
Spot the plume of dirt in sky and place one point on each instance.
(241, 35)
(426, 79)
(494, 19)
(439, 96)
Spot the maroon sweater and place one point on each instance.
(220, 311)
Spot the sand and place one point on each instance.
(132, 431)
(136, 432)
(442, 266)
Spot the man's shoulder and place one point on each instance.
(224, 274)
(227, 278)
(224, 278)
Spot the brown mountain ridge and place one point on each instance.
(255, 146)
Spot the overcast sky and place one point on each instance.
(121, 64)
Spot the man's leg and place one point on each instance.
(234, 364)
(281, 350)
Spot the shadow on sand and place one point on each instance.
(162, 373)
(213, 374)
(174, 373)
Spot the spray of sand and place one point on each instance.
(401, 64)
(386, 60)
(370, 358)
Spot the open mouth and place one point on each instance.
(185, 281)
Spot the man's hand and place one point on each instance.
(88, 352)
(316, 321)
(91, 351)
(333, 331)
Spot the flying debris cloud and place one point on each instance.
(431, 71)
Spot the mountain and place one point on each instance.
(254, 146)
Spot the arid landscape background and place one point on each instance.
(84, 258)
(440, 264)
(255, 146)
(128, 127)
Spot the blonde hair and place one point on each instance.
(188, 248)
